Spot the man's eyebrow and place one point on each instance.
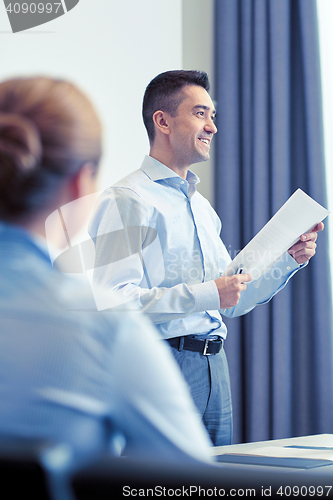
(203, 106)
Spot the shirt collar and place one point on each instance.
(156, 171)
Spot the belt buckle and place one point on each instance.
(205, 353)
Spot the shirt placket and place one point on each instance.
(186, 188)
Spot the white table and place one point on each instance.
(283, 481)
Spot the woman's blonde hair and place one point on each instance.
(48, 130)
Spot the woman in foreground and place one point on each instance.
(67, 372)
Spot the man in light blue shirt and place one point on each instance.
(157, 243)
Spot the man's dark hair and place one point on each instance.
(164, 93)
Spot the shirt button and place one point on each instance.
(182, 182)
(288, 268)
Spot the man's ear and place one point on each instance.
(162, 121)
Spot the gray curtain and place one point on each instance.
(269, 143)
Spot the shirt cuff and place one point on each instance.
(206, 296)
(287, 265)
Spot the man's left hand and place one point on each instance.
(305, 248)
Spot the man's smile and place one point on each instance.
(204, 140)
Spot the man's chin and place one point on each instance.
(200, 158)
(204, 158)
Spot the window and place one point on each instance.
(325, 16)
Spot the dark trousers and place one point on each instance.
(209, 382)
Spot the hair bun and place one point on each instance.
(20, 143)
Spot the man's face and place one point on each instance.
(193, 127)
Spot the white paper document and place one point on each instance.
(297, 216)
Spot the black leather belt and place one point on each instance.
(204, 346)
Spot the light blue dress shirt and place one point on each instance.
(158, 244)
(71, 374)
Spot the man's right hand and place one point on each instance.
(230, 289)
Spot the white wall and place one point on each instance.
(198, 54)
(111, 49)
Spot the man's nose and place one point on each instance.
(211, 127)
